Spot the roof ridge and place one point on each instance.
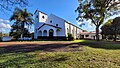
(66, 21)
(48, 25)
(40, 11)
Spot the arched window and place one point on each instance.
(58, 32)
(45, 33)
(36, 30)
(67, 30)
(56, 24)
(37, 16)
(73, 31)
(43, 17)
(50, 21)
(40, 33)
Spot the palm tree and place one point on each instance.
(22, 17)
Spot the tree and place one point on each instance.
(112, 27)
(106, 29)
(9, 4)
(23, 18)
(70, 37)
(26, 32)
(97, 11)
(16, 31)
(116, 27)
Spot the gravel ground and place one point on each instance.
(47, 46)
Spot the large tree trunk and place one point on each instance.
(22, 27)
(97, 33)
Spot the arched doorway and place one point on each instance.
(45, 33)
(58, 32)
(40, 33)
(51, 32)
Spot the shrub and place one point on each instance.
(70, 37)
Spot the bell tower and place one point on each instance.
(40, 18)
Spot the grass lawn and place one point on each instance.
(92, 54)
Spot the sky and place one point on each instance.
(62, 8)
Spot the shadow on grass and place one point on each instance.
(101, 44)
(56, 47)
(57, 58)
(27, 59)
(18, 61)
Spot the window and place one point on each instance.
(56, 24)
(86, 35)
(67, 29)
(37, 16)
(50, 21)
(43, 17)
(73, 31)
(36, 30)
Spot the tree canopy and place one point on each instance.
(22, 18)
(16, 31)
(97, 11)
(112, 27)
(106, 29)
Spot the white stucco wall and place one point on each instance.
(38, 22)
(41, 19)
(45, 27)
(56, 20)
(91, 36)
(69, 28)
(75, 32)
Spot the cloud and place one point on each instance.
(2, 30)
(8, 26)
(4, 24)
(4, 21)
(89, 22)
(79, 23)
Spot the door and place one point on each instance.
(51, 32)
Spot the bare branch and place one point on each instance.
(10, 4)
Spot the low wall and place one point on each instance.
(52, 38)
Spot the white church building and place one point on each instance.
(52, 26)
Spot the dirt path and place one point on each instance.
(47, 46)
(41, 42)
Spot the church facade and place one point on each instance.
(52, 26)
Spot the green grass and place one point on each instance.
(93, 55)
